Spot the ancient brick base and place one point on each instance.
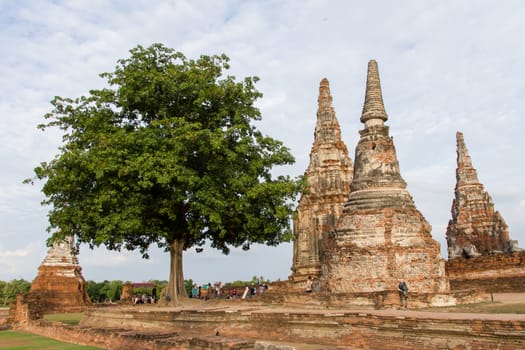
(380, 329)
(61, 288)
(24, 309)
(499, 273)
(122, 339)
(285, 293)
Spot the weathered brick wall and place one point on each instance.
(385, 329)
(371, 300)
(122, 339)
(61, 288)
(25, 308)
(495, 273)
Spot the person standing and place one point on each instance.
(309, 284)
(403, 293)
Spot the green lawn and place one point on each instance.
(18, 340)
(73, 318)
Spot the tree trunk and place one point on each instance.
(176, 288)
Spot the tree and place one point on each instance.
(167, 154)
(9, 290)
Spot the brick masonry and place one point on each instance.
(381, 238)
(59, 282)
(328, 175)
(381, 329)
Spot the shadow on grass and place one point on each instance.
(19, 340)
(72, 318)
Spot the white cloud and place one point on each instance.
(20, 262)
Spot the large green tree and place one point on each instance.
(167, 154)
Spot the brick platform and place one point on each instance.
(364, 329)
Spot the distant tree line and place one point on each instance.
(9, 290)
(105, 291)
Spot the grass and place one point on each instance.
(72, 318)
(18, 340)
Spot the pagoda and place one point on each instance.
(59, 283)
(475, 228)
(328, 176)
(380, 238)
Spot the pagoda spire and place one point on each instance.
(325, 98)
(373, 108)
(376, 166)
(328, 175)
(465, 172)
(476, 227)
(327, 127)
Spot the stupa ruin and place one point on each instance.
(328, 175)
(381, 238)
(59, 283)
(475, 228)
(481, 254)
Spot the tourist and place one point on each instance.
(309, 283)
(316, 285)
(218, 286)
(261, 289)
(194, 291)
(403, 293)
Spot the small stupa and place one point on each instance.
(381, 238)
(475, 228)
(328, 175)
(59, 283)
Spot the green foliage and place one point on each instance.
(104, 291)
(188, 285)
(167, 153)
(254, 281)
(9, 290)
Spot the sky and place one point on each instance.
(445, 66)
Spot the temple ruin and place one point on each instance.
(475, 228)
(59, 284)
(481, 254)
(328, 176)
(381, 238)
(357, 228)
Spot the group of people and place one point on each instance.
(312, 285)
(217, 290)
(144, 299)
(248, 293)
(206, 291)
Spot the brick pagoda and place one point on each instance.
(59, 283)
(481, 255)
(381, 237)
(328, 175)
(475, 228)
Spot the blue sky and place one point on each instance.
(445, 66)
